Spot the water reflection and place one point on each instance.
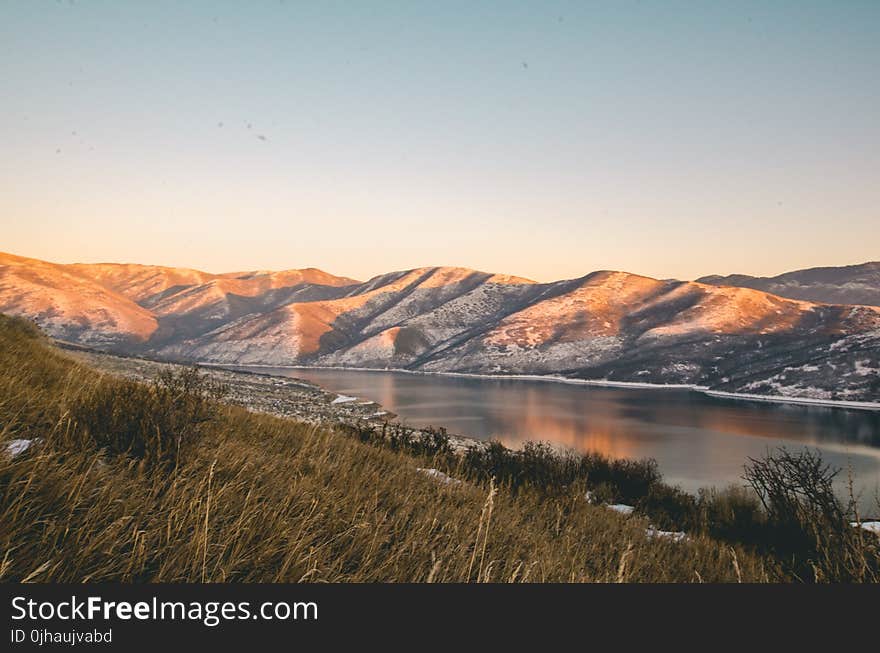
(697, 440)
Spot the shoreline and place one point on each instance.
(804, 401)
(549, 378)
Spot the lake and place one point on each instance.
(697, 440)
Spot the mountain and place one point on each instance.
(71, 306)
(132, 305)
(607, 325)
(850, 284)
(387, 321)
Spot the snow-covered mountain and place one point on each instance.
(68, 305)
(849, 284)
(605, 325)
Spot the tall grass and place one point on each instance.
(156, 423)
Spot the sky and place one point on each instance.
(542, 139)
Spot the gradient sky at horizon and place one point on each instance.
(543, 139)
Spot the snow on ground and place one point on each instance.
(871, 526)
(675, 536)
(866, 405)
(17, 447)
(343, 399)
(622, 508)
(802, 368)
(439, 476)
(650, 532)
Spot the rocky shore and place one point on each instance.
(281, 396)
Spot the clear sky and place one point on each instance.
(544, 139)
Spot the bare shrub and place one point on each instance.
(155, 422)
(808, 527)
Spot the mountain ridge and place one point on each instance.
(605, 325)
(847, 284)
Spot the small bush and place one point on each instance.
(733, 514)
(632, 479)
(433, 442)
(807, 525)
(429, 442)
(15, 327)
(156, 422)
(540, 466)
(602, 493)
(537, 465)
(669, 507)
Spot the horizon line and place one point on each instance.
(420, 267)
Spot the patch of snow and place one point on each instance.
(870, 526)
(439, 476)
(17, 447)
(343, 399)
(622, 508)
(681, 369)
(675, 536)
(803, 368)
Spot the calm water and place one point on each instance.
(697, 440)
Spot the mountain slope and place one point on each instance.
(71, 306)
(850, 284)
(434, 303)
(606, 325)
(186, 303)
(621, 327)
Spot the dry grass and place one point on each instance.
(258, 498)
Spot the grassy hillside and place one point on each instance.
(164, 482)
